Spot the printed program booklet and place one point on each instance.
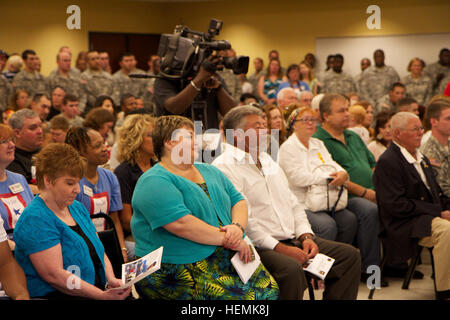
(137, 270)
(246, 270)
(319, 265)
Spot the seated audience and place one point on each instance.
(293, 80)
(413, 209)
(383, 135)
(127, 104)
(107, 103)
(12, 277)
(285, 97)
(58, 128)
(28, 138)
(276, 127)
(100, 190)
(269, 82)
(247, 98)
(57, 97)
(390, 101)
(55, 234)
(15, 193)
(369, 119)
(41, 105)
(347, 149)
(135, 152)
(70, 110)
(300, 157)
(437, 147)
(408, 105)
(20, 100)
(307, 76)
(194, 211)
(101, 120)
(305, 98)
(356, 122)
(277, 223)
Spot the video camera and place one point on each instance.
(183, 52)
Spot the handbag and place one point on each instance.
(323, 197)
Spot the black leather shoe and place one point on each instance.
(400, 273)
(365, 276)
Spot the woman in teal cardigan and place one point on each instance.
(196, 214)
(56, 242)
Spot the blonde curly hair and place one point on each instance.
(131, 136)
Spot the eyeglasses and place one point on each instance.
(306, 120)
(416, 129)
(5, 141)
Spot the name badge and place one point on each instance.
(88, 191)
(16, 188)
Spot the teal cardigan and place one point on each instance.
(39, 229)
(161, 197)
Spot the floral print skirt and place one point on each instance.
(213, 278)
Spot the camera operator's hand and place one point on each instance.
(207, 69)
(212, 83)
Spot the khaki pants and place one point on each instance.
(440, 240)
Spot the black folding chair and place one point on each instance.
(411, 268)
(110, 242)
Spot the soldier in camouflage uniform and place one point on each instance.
(437, 147)
(443, 85)
(377, 80)
(337, 81)
(389, 102)
(29, 78)
(6, 92)
(67, 79)
(95, 82)
(233, 83)
(439, 70)
(365, 63)
(123, 83)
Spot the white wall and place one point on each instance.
(398, 50)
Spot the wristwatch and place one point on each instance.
(309, 236)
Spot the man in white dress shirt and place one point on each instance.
(277, 223)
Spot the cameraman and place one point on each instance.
(198, 98)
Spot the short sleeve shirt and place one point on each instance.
(103, 197)
(354, 157)
(15, 195)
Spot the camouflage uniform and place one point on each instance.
(433, 70)
(376, 82)
(357, 79)
(253, 79)
(32, 82)
(72, 85)
(439, 157)
(124, 84)
(384, 104)
(420, 89)
(443, 84)
(233, 83)
(333, 82)
(95, 84)
(6, 91)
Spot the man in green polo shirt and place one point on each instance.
(347, 149)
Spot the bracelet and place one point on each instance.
(364, 193)
(240, 226)
(195, 86)
(124, 249)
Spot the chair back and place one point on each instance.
(110, 242)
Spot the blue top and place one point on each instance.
(105, 196)
(12, 204)
(271, 88)
(302, 86)
(39, 229)
(161, 197)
